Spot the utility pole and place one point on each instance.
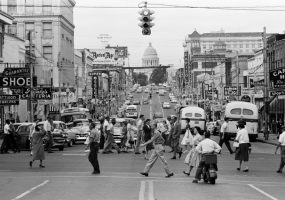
(31, 77)
(237, 65)
(265, 98)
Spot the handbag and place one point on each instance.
(236, 144)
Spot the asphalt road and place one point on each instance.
(67, 176)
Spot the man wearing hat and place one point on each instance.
(282, 146)
(48, 127)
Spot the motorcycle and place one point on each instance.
(210, 168)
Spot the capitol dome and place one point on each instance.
(150, 57)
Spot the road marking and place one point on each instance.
(30, 190)
(74, 154)
(150, 111)
(142, 190)
(262, 192)
(150, 190)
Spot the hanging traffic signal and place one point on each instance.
(146, 21)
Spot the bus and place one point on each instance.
(196, 115)
(131, 111)
(70, 114)
(237, 110)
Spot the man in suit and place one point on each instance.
(175, 135)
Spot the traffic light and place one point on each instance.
(146, 21)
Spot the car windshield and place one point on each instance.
(131, 110)
(24, 129)
(80, 123)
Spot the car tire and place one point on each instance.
(61, 148)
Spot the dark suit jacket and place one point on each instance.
(176, 131)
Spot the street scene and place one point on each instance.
(118, 100)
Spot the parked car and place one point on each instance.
(60, 127)
(81, 129)
(22, 138)
(136, 102)
(59, 137)
(157, 115)
(119, 126)
(166, 105)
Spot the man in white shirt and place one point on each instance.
(204, 147)
(282, 145)
(140, 133)
(48, 127)
(224, 136)
(6, 141)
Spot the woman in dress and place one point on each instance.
(243, 150)
(38, 146)
(193, 157)
(147, 136)
(187, 140)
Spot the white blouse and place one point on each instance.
(242, 136)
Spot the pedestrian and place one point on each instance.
(36, 121)
(105, 127)
(282, 151)
(187, 140)
(102, 135)
(242, 152)
(279, 128)
(157, 152)
(6, 144)
(48, 127)
(124, 139)
(205, 147)
(13, 135)
(110, 142)
(94, 140)
(168, 124)
(193, 157)
(176, 132)
(147, 136)
(38, 146)
(139, 134)
(224, 135)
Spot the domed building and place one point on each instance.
(150, 57)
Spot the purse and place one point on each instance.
(235, 144)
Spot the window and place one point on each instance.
(188, 115)
(247, 46)
(47, 52)
(253, 45)
(29, 27)
(12, 29)
(247, 112)
(47, 29)
(236, 111)
(241, 46)
(47, 5)
(198, 115)
(12, 7)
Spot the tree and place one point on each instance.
(159, 75)
(140, 78)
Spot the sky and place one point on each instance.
(171, 24)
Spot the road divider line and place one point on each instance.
(262, 192)
(142, 190)
(150, 190)
(30, 190)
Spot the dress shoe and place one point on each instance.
(180, 154)
(137, 153)
(169, 175)
(41, 166)
(195, 181)
(238, 169)
(245, 170)
(173, 158)
(95, 172)
(144, 173)
(188, 174)
(279, 171)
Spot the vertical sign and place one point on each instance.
(94, 87)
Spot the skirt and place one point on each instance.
(242, 152)
(193, 158)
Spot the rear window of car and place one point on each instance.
(188, 115)
(247, 112)
(24, 129)
(236, 111)
(198, 115)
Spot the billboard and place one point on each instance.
(103, 56)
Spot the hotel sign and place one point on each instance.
(277, 78)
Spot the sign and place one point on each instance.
(9, 100)
(94, 87)
(16, 72)
(277, 93)
(38, 93)
(245, 98)
(17, 81)
(103, 56)
(277, 78)
(16, 91)
(121, 52)
(94, 73)
(231, 91)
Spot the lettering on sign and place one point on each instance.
(16, 72)
(277, 78)
(15, 81)
(94, 73)
(38, 93)
(9, 100)
(276, 93)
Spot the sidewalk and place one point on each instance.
(271, 140)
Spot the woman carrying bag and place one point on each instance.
(187, 140)
(242, 151)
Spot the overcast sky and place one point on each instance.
(171, 24)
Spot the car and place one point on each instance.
(119, 126)
(23, 136)
(127, 102)
(59, 137)
(145, 101)
(81, 129)
(173, 100)
(157, 115)
(136, 102)
(166, 105)
(61, 128)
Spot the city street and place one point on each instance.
(68, 175)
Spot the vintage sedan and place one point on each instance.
(81, 129)
(119, 126)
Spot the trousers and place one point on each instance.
(282, 161)
(139, 138)
(156, 153)
(93, 156)
(225, 139)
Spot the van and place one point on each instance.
(196, 115)
(237, 110)
(131, 111)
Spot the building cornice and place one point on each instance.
(5, 17)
